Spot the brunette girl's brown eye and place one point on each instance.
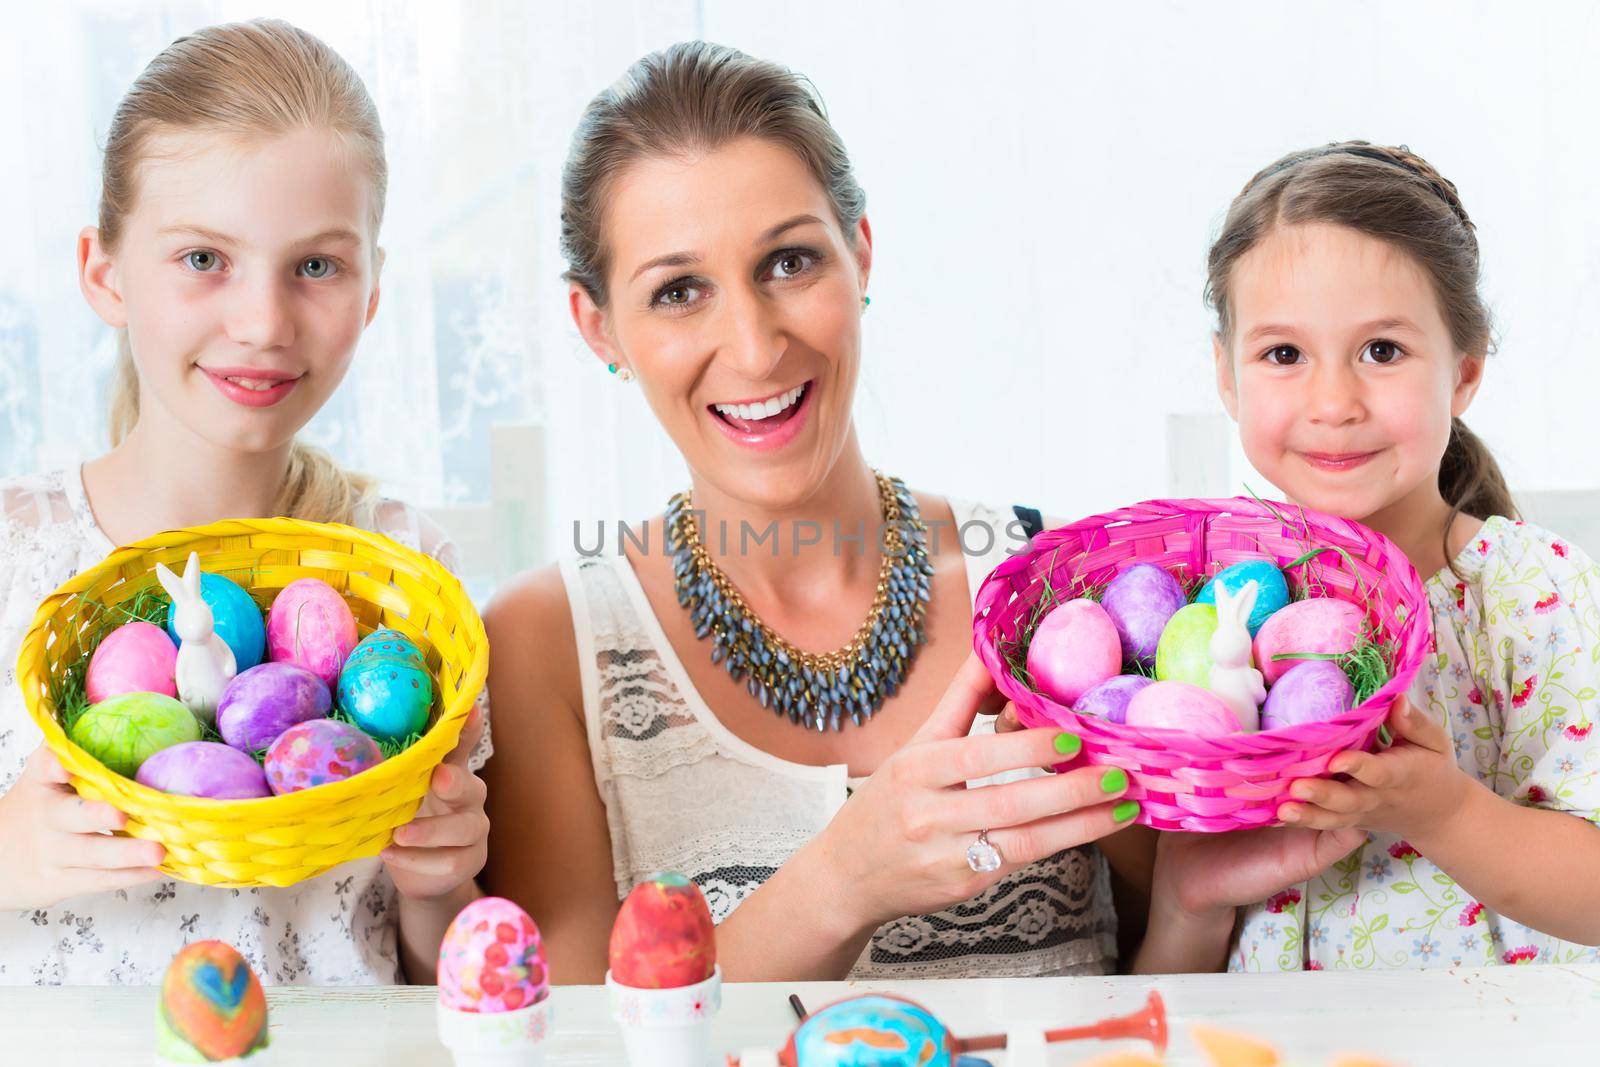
(1382, 353)
(1283, 355)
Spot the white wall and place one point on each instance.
(1042, 180)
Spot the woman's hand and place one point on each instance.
(899, 845)
(55, 845)
(1409, 789)
(445, 845)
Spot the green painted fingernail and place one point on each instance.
(1125, 811)
(1068, 744)
(1114, 781)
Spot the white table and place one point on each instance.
(1523, 1016)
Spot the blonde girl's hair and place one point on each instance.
(1395, 196)
(245, 80)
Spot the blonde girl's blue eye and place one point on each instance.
(318, 267)
(1383, 353)
(202, 261)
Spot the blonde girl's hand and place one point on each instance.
(55, 845)
(899, 845)
(446, 844)
(1410, 788)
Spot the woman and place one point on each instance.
(719, 258)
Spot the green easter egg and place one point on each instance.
(124, 731)
(1184, 654)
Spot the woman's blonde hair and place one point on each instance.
(247, 80)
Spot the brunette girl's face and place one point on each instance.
(1340, 369)
(735, 298)
(244, 275)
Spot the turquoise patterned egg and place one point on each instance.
(874, 1030)
(385, 686)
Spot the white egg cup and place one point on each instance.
(496, 1039)
(260, 1058)
(667, 1027)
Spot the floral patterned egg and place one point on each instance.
(135, 658)
(317, 752)
(212, 1006)
(385, 686)
(491, 959)
(875, 1030)
(311, 626)
(663, 937)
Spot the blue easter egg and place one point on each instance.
(385, 686)
(236, 620)
(1272, 592)
(873, 1031)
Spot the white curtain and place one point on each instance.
(1042, 179)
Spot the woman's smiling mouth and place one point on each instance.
(766, 423)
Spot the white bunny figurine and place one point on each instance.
(205, 662)
(1233, 678)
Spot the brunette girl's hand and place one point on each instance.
(55, 845)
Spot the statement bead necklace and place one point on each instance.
(817, 690)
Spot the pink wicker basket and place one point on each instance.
(1210, 784)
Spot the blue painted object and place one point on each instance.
(1272, 592)
(236, 620)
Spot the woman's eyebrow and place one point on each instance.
(788, 224)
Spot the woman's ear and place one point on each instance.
(591, 322)
(97, 278)
(863, 251)
(1227, 387)
(1469, 375)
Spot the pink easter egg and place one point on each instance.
(1181, 706)
(311, 626)
(1321, 625)
(492, 960)
(1074, 649)
(138, 657)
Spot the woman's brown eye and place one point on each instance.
(676, 295)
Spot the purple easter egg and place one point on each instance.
(1074, 649)
(204, 769)
(1181, 706)
(1314, 690)
(310, 625)
(317, 752)
(1140, 602)
(1321, 625)
(1110, 698)
(266, 700)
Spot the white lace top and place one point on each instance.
(683, 793)
(338, 928)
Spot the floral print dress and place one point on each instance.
(1514, 675)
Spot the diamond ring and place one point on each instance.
(983, 857)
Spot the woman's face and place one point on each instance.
(244, 275)
(736, 300)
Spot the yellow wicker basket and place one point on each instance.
(274, 841)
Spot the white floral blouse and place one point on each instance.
(338, 928)
(1514, 674)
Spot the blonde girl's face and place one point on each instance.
(244, 275)
(735, 297)
(1340, 370)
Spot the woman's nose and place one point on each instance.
(753, 340)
